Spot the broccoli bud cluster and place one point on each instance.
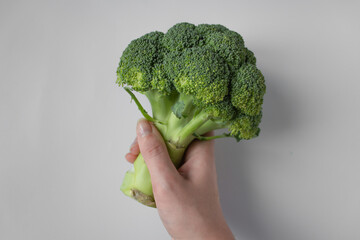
(207, 63)
(197, 79)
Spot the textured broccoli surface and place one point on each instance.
(197, 79)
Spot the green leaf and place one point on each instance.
(178, 109)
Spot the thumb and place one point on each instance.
(154, 152)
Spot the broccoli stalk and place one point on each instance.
(197, 79)
(178, 133)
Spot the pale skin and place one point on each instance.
(187, 198)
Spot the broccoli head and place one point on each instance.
(197, 79)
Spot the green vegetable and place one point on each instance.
(197, 79)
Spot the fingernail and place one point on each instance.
(144, 128)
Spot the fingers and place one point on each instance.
(199, 160)
(130, 157)
(201, 148)
(155, 153)
(134, 152)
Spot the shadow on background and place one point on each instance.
(235, 190)
(233, 161)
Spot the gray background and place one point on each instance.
(65, 126)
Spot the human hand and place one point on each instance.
(187, 198)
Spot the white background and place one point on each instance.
(65, 125)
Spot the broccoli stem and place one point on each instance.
(209, 126)
(137, 181)
(140, 107)
(177, 133)
(202, 138)
(186, 133)
(161, 104)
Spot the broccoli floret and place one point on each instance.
(247, 90)
(206, 29)
(181, 36)
(229, 45)
(197, 79)
(201, 73)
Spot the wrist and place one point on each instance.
(220, 231)
(209, 230)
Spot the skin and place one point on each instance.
(187, 198)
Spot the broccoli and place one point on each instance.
(197, 79)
